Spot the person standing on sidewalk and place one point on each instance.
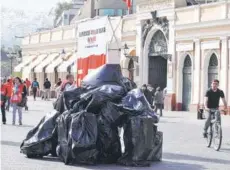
(35, 87)
(26, 99)
(47, 86)
(9, 87)
(159, 100)
(28, 84)
(58, 87)
(68, 84)
(3, 101)
(19, 94)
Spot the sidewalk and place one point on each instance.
(191, 117)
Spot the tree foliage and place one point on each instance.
(61, 6)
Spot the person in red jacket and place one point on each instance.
(68, 84)
(19, 92)
(3, 101)
(9, 87)
(28, 84)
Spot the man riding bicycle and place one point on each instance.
(212, 98)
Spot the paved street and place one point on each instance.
(184, 148)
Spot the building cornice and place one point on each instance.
(202, 24)
(53, 44)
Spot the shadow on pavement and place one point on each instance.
(164, 165)
(10, 143)
(175, 156)
(164, 121)
(227, 150)
(30, 126)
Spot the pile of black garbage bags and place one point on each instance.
(87, 123)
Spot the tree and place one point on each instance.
(61, 7)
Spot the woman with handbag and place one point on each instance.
(18, 98)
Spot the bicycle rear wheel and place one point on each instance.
(209, 136)
(217, 136)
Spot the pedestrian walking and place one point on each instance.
(9, 88)
(26, 99)
(3, 101)
(47, 86)
(147, 93)
(159, 100)
(35, 87)
(151, 94)
(28, 84)
(18, 97)
(58, 87)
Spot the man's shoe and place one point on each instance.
(4, 123)
(205, 134)
(20, 123)
(13, 123)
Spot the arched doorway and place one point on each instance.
(187, 83)
(212, 69)
(158, 60)
(131, 69)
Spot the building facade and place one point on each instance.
(171, 45)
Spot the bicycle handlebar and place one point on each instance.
(214, 110)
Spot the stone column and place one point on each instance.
(170, 99)
(224, 64)
(179, 76)
(228, 80)
(196, 73)
(139, 50)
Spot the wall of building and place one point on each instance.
(202, 34)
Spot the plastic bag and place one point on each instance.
(139, 134)
(136, 104)
(72, 96)
(108, 139)
(83, 136)
(42, 139)
(111, 112)
(128, 84)
(106, 74)
(59, 104)
(63, 126)
(98, 96)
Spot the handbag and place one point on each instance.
(16, 98)
(23, 102)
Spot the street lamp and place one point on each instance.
(126, 49)
(126, 53)
(12, 55)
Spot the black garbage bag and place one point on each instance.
(139, 135)
(100, 95)
(63, 127)
(106, 74)
(136, 104)
(59, 104)
(108, 142)
(128, 84)
(83, 135)
(73, 96)
(111, 112)
(156, 153)
(42, 139)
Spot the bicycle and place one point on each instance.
(215, 130)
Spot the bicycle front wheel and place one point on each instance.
(217, 136)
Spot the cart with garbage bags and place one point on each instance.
(83, 127)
